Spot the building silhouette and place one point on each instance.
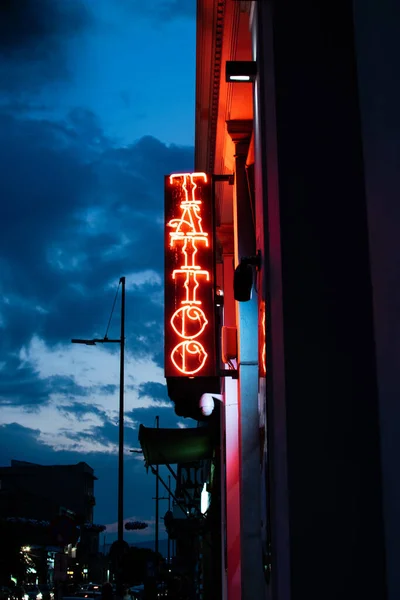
(50, 507)
(41, 491)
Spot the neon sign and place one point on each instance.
(262, 347)
(189, 280)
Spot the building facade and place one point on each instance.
(304, 418)
(292, 101)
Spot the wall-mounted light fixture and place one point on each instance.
(243, 277)
(207, 403)
(240, 71)
(219, 296)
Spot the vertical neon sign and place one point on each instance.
(262, 347)
(189, 276)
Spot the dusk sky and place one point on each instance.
(96, 105)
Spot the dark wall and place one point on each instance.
(40, 491)
(378, 59)
(320, 287)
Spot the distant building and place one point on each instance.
(36, 500)
(42, 492)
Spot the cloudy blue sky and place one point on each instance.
(96, 105)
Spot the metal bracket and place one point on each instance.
(185, 493)
(234, 373)
(153, 470)
(230, 178)
(181, 506)
(254, 261)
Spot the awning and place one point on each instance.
(173, 446)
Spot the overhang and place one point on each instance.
(163, 446)
(186, 392)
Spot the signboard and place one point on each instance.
(189, 276)
(262, 341)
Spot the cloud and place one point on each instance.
(26, 24)
(58, 429)
(143, 278)
(34, 38)
(77, 212)
(71, 403)
(162, 10)
(87, 366)
(174, 9)
(76, 408)
(154, 389)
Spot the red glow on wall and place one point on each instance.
(189, 281)
(233, 521)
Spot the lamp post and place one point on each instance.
(157, 497)
(120, 341)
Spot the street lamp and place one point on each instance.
(121, 341)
